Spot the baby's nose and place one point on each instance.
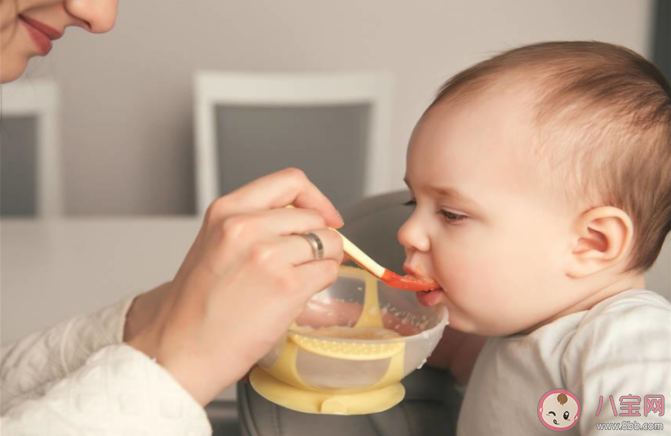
(412, 237)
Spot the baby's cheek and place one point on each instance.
(486, 294)
(470, 283)
(472, 276)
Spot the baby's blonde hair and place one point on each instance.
(604, 128)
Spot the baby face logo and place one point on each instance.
(559, 410)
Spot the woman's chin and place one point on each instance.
(10, 73)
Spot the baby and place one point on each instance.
(541, 181)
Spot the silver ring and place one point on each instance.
(315, 243)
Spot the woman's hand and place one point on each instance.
(243, 282)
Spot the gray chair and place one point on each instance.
(223, 416)
(432, 402)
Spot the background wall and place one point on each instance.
(127, 132)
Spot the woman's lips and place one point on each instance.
(41, 34)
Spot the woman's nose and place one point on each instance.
(99, 15)
(411, 235)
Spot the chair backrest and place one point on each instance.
(334, 126)
(373, 224)
(30, 136)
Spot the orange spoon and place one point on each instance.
(389, 277)
(392, 279)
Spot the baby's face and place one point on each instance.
(485, 225)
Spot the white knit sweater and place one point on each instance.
(78, 378)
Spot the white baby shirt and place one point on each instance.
(621, 348)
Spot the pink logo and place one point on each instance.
(631, 404)
(559, 410)
(654, 403)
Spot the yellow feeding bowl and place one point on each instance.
(350, 348)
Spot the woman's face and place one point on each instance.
(28, 27)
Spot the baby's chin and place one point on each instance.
(458, 320)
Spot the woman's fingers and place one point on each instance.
(289, 252)
(276, 190)
(316, 276)
(298, 250)
(268, 235)
(276, 222)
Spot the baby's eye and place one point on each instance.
(451, 217)
(552, 413)
(566, 415)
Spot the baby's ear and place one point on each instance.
(603, 238)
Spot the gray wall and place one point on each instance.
(127, 132)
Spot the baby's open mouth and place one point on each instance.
(555, 421)
(426, 298)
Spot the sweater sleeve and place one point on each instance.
(118, 391)
(29, 365)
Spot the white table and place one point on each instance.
(53, 270)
